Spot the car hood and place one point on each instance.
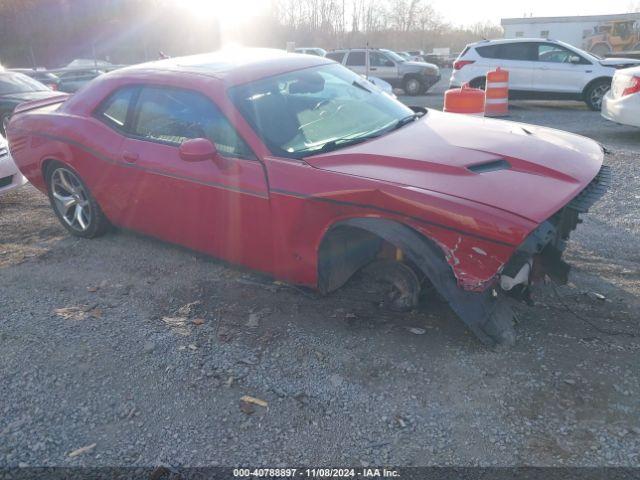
(522, 169)
(619, 62)
(28, 96)
(421, 64)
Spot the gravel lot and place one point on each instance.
(141, 351)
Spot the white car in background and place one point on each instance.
(622, 103)
(10, 176)
(539, 69)
(318, 52)
(381, 84)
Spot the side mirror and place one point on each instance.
(389, 63)
(574, 59)
(197, 150)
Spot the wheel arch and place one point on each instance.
(593, 82)
(487, 315)
(46, 164)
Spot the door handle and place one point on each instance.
(373, 69)
(130, 157)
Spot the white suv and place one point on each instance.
(539, 69)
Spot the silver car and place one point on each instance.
(415, 78)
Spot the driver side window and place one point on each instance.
(548, 52)
(170, 115)
(377, 59)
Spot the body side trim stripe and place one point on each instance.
(273, 190)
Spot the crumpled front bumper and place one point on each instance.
(541, 253)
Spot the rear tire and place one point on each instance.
(413, 86)
(73, 203)
(595, 92)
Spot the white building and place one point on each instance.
(597, 33)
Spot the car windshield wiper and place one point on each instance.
(341, 142)
(406, 120)
(355, 83)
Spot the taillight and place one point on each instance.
(633, 86)
(458, 64)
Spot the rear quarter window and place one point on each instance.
(337, 56)
(489, 51)
(510, 51)
(115, 108)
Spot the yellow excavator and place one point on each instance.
(614, 36)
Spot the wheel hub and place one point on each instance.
(70, 199)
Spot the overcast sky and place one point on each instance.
(467, 12)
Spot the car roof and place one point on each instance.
(234, 65)
(360, 49)
(511, 40)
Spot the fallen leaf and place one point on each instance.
(92, 289)
(198, 321)
(254, 400)
(71, 313)
(82, 450)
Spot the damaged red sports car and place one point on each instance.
(295, 166)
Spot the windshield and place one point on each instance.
(19, 83)
(316, 109)
(393, 56)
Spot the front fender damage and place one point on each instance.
(487, 314)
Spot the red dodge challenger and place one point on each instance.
(295, 166)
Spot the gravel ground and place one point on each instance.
(141, 351)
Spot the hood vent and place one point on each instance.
(490, 166)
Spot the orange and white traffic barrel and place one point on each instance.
(464, 100)
(497, 93)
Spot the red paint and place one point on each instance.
(270, 214)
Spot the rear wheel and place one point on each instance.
(595, 93)
(73, 204)
(413, 86)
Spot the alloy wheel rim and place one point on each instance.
(71, 199)
(598, 94)
(413, 86)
